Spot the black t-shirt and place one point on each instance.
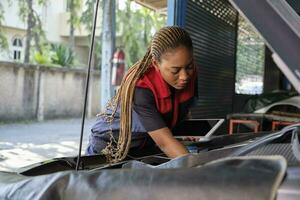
(144, 105)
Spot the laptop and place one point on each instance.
(201, 129)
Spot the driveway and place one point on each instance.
(23, 144)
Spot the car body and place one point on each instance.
(293, 102)
(240, 166)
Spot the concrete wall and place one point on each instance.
(41, 92)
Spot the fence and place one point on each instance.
(41, 92)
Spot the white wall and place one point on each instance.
(11, 16)
(52, 27)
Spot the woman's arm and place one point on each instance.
(167, 143)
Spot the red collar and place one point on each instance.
(153, 80)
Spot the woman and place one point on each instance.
(153, 98)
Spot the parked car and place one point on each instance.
(291, 105)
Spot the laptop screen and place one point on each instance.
(197, 127)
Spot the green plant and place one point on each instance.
(62, 56)
(34, 32)
(3, 40)
(41, 58)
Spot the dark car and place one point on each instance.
(262, 165)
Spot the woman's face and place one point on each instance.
(176, 67)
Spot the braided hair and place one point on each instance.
(166, 39)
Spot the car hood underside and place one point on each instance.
(229, 178)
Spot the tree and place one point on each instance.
(249, 58)
(3, 40)
(135, 28)
(88, 14)
(74, 6)
(87, 20)
(34, 29)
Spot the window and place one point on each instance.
(17, 48)
(250, 60)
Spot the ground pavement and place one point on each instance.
(23, 144)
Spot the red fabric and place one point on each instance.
(153, 80)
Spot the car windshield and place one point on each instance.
(43, 72)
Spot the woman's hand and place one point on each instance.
(191, 138)
(167, 143)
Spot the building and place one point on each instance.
(54, 16)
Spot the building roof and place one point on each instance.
(156, 5)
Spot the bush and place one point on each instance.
(62, 56)
(41, 58)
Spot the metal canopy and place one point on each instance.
(279, 25)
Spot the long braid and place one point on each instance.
(165, 39)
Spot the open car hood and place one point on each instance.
(230, 178)
(279, 25)
(210, 181)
